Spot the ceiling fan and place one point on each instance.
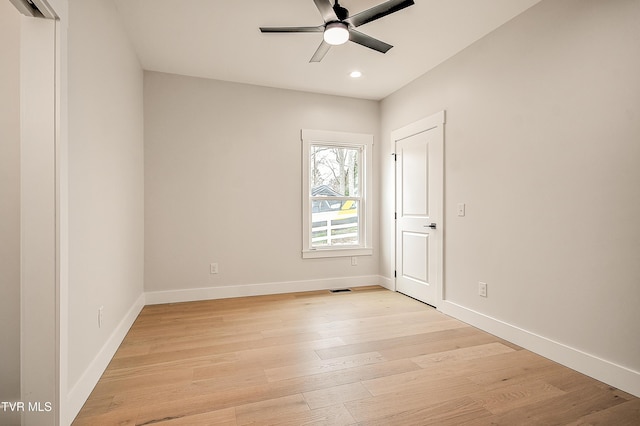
(339, 27)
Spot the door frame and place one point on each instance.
(434, 122)
(44, 214)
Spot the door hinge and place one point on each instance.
(395, 274)
(395, 215)
(395, 156)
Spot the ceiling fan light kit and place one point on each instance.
(339, 27)
(336, 33)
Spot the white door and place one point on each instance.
(419, 194)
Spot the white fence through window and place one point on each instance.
(334, 228)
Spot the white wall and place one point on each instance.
(542, 144)
(105, 161)
(223, 184)
(9, 207)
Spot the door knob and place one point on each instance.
(431, 225)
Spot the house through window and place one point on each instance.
(336, 182)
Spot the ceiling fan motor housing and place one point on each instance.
(340, 11)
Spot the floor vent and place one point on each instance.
(340, 290)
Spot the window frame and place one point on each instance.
(361, 141)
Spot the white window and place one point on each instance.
(336, 201)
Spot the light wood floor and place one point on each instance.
(370, 357)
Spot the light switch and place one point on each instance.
(461, 208)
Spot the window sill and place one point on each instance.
(341, 252)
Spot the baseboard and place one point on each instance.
(226, 292)
(615, 375)
(79, 393)
(386, 283)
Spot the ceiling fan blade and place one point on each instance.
(326, 10)
(368, 41)
(317, 29)
(378, 12)
(320, 52)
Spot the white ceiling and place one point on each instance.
(220, 39)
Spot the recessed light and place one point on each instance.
(355, 74)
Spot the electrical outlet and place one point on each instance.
(354, 261)
(461, 209)
(100, 316)
(482, 289)
(213, 268)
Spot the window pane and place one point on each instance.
(334, 223)
(334, 171)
